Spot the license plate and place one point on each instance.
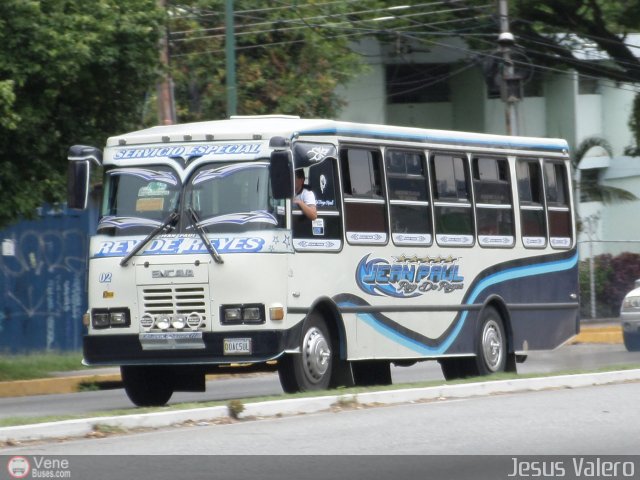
(237, 346)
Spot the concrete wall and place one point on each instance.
(468, 92)
(560, 93)
(366, 94)
(423, 115)
(617, 104)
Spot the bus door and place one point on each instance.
(325, 232)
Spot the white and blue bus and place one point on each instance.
(428, 245)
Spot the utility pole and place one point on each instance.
(166, 105)
(510, 89)
(230, 55)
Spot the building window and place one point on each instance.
(418, 83)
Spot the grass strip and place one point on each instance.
(37, 365)
(15, 421)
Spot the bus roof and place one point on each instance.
(264, 127)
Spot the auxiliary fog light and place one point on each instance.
(194, 320)
(179, 321)
(163, 322)
(147, 321)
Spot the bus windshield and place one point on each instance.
(233, 197)
(137, 200)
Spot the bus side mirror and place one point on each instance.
(281, 174)
(78, 173)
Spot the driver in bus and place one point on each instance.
(305, 198)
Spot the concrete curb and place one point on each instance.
(610, 334)
(295, 406)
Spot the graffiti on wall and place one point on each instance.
(43, 278)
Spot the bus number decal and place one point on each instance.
(408, 277)
(105, 277)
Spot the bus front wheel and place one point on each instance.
(146, 386)
(311, 368)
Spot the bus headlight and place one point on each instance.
(110, 317)
(100, 320)
(242, 314)
(118, 319)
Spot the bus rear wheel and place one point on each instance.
(491, 351)
(491, 343)
(146, 386)
(311, 368)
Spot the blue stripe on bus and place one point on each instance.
(511, 274)
(434, 138)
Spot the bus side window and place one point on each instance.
(408, 197)
(451, 199)
(494, 208)
(558, 207)
(364, 203)
(530, 193)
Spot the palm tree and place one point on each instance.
(587, 182)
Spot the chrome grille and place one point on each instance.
(175, 299)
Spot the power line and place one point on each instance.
(291, 7)
(399, 32)
(303, 22)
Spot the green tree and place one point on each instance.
(71, 71)
(556, 33)
(289, 58)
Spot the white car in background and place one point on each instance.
(630, 319)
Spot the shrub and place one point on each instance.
(614, 277)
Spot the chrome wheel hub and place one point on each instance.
(316, 355)
(492, 345)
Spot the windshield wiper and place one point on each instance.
(195, 222)
(166, 225)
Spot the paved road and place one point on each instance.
(575, 422)
(570, 357)
(599, 420)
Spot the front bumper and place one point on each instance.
(127, 349)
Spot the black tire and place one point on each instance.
(631, 341)
(146, 386)
(491, 344)
(311, 369)
(371, 372)
(456, 368)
